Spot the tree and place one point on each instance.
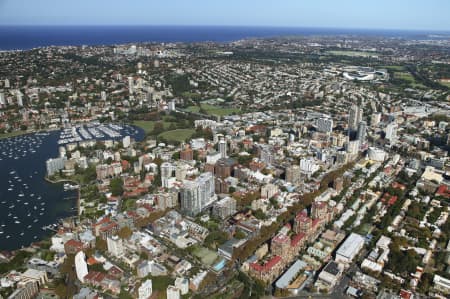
(259, 214)
(88, 175)
(125, 232)
(176, 156)
(61, 290)
(245, 159)
(215, 238)
(158, 128)
(100, 244)
(116, 186)
(240, 235)
(97, 268)
(425, 282)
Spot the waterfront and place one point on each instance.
(27, 201)
(28, 37)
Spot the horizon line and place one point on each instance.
(228, 25)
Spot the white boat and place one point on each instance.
(70, 187)
(17, 222)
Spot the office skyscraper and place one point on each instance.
(167, 170)
(361, 135)
(130, 85)
(198, 194)
(223, 148)
(2, 99)
(115, 246)
(325, 125)
(354, 118)
(391, 132)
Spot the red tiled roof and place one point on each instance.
(320, 204)
(108, 227)
(94, 277)
(267, 266)
(392, 200)
(104, 220)
(302, 216)
(280, 238)
(73, 243)
(315, 222)
(389, 199)
(132, 214)
(296, 239)
(405, 294)
(257, 128)
(443, 191)
(91, 261)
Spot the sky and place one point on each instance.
(363, 14)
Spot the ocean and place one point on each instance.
(28, 37)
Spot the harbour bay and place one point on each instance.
(29, 203)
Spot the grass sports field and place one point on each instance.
(148, 125)
(205, 255)
(214, 110)
(406, 76)
(177, 135)
(353, 53)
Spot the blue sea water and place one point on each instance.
(28, 37)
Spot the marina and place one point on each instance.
(95, 131)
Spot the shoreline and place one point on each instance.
(114, 35)
(59, 181)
